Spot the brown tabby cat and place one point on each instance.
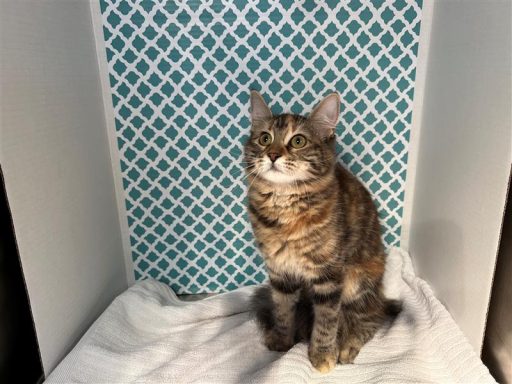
(319, 232)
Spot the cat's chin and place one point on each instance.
(277, 177)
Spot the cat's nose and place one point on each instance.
(274, 156)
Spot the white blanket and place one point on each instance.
(147, 335)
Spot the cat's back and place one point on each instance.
(361, 232)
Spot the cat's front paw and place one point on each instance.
(349, 351)
(323, 361)
(278, 342)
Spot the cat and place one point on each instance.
(318, 230)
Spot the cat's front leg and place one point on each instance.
(284, 297)
(323, 348)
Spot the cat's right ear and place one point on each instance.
(259, 109)
(325, 115)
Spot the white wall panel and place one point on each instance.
(55, 155)
(464, 156)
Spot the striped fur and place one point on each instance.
(319, 232)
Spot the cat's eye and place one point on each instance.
(298, 141)
(265, 139)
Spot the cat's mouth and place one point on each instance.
(274, 167)
(276, 172)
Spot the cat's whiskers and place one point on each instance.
(246, 176)
(237, 171)
(246, 165)
(255, 177)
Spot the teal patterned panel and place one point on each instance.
(180, 75)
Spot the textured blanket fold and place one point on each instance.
(147, 335)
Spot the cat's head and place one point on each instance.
(289, 148)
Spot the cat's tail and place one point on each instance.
(392, 308)
(263, 307)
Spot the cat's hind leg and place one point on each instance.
(275, 313)
(359, 322)
(352, 339)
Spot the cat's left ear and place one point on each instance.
(259, 109)
(325, 115)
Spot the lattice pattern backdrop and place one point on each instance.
(180, 74)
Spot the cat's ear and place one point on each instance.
(259, 109)
(325, 115)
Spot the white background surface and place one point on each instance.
(464, 156)
(55, 156)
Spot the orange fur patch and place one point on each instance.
(372, 269)
(309, 219)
